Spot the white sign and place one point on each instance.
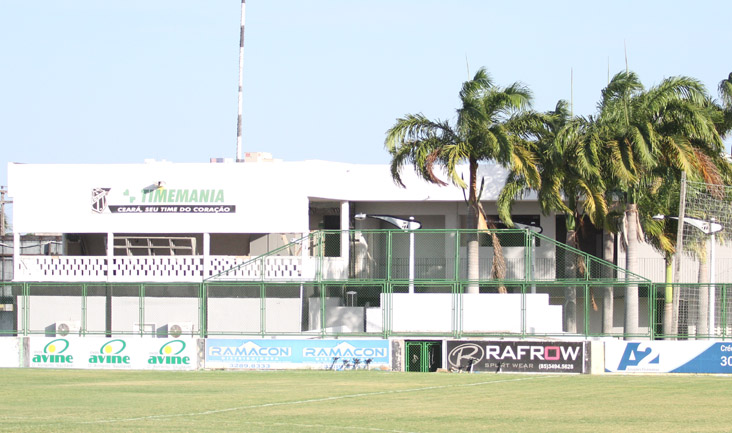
(668, 357)
(159, 198)
(9, 352)
(129, 353)
(324, 354)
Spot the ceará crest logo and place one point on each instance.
(53, 353)
(169, 354)
(111, 353)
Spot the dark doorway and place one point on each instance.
(423, 356)
(589, 236)
(332, 244)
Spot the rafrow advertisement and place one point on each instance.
(516, 356)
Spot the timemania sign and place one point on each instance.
(160, 200)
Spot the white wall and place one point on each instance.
(268, 198)
(499, 313)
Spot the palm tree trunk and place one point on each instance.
(702, 322)
(570, 292)
(608, 298)
(473, 245)
(473, 253)
(668, 298)
(631, 265)
(498, 265)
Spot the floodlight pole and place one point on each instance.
(411, 257)
(709, 228)
(410, 226)
(239, 157)
(712, 279)
(535, 229)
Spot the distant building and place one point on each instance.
(113, 215)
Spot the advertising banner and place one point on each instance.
(130, 353)
(516, 356)
(297, 354)
(9, 352)
(668, 357)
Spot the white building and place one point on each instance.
(162, 222)
(144, 222)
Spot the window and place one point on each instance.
(512, 239)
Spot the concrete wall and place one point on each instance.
(410, 313)
(338, 318)
(495, 313)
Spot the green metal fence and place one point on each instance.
(391, 284)
(423, 356)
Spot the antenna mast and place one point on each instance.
(241, 81)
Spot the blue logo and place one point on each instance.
(632, 356)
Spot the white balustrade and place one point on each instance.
(157, 268)
(61, 268)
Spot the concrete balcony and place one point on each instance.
(161, 268)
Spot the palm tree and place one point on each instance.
(725, 92)
(661, 196)
(481, 133)
(666, 126)
(568, 159)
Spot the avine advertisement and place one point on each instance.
(516, 356)
(113, 353)
(668, 357)
(294, 354)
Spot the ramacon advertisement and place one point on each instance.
(262, 354)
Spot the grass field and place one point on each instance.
(358, 401)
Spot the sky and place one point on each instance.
(97, 81)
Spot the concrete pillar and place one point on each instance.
(345, 225)
(206, 255)
(452, 222)
(16, 256)
(307, 263)
(110, 254)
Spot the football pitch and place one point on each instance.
(358, 401)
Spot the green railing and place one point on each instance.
(363, 308)
(540, 288)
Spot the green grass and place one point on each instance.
(358, 401)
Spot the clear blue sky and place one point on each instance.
(99, 81)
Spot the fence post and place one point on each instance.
(202, 310)
(457, 256)
(141, 292)
(26, 312)
(528, 240)
(652, 311)
(83, 309)
(588, 305)
(457, 310)
(389, 255)
(322, 309)
(723, 310)
(262, 309)
(388, 290)
(321, 248)
(523, 310)
(262, 268)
